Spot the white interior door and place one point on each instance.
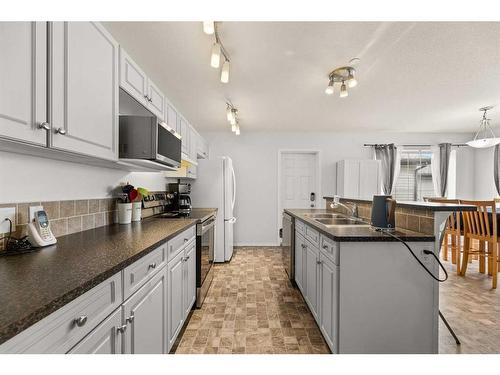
(298, 180)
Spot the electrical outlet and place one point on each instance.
(34, 209)
(7, 213)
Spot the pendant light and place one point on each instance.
(351, 81)
(485, 137)
(232, 117)
(343, 90)
(208, 27)
(215, 57)
(237, 131)
(224, 74)
(229, 113)
(233, 127)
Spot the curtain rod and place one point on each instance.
(378, 144)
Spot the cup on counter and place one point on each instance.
(136, 211)
(124, 213)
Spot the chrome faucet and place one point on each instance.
(353, 207)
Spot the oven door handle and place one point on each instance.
(205, 227)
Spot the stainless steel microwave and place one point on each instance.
(144, 138)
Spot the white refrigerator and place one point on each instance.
(215, 187)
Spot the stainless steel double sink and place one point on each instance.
(333, 220)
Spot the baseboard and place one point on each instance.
(267, 244)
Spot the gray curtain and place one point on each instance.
(496, 163)
(387, 155)
(444, 162)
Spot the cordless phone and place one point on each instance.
(39, 233)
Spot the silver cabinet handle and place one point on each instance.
(80, 321)
(319, 262)
(60, 131)
(130, 319)
(121, 329)
(186, 239)
(325, 247)
(187, 258)
(44, 126)
(152, 265)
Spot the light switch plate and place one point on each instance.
(8, 212)
(34, 209)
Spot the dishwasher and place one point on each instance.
(288, 245)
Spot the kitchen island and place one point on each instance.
(366, 291)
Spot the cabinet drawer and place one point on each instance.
(312, 235)
(139, 272)
(59, 332)
(177, 244)
(330, 249)
(300, 227)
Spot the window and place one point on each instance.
(415, 177)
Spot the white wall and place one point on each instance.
(484, 183)
(255, 157)
(26, 179)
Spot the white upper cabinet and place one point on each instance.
(171, 118)
(184, 131)
(135, 81)
(201, 148)
(23, 77)
(156, 101)
(84, 102)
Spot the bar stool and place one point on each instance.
(481, 226)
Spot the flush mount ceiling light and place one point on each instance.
(345, 75)
(218, 51)
(232, 117)
(485, 137)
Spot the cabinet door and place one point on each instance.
(369, 180)
(312, 278)
(156, 101)
(104, 339)
(184, 130)
(133, 79)
(175, 301)
(193, 142)
(329, 287)
(172, 117)
(299, 264)
(190, 278)
(348, 178)
(23, 77)
(84, 102)
(145, 315)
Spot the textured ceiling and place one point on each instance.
(415, 77)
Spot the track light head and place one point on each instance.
(343, 90)
(215, 57)
(224, 74)
(208, 27)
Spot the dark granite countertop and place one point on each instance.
(353, 233)
(432, 206)
(34, 285)
(199, 214)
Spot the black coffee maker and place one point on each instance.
(181, 202)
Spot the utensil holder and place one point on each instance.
(124, 213)
(136, 211)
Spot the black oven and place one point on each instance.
(205, 241)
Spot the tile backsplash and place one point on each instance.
(66, 217)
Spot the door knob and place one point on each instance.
(80, 321)
(130, 319)
(121, 329)
(61, 131)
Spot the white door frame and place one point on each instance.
(317, 153)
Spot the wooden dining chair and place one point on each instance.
(481, 226)
(453, 233)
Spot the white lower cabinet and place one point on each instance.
(181, 289)
(328, 296)
(312, 278)
(299, 262)
(104, 339)
(145, 318)
(175, 300)
(317, 277)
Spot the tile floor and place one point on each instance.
(252, 308)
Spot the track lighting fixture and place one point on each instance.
(224, 74)
(232, 117)
(344, 75)
(210, 27)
